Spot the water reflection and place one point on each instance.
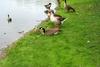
(25, 15)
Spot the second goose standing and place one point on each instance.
(68, 8)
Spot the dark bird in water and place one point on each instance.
(68, 8)
(9, 19)
(5, 33)
(48, 6)
(51, 31)
(21, 32)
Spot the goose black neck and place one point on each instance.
(65, 1)
(43, 30)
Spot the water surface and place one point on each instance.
(25, 15)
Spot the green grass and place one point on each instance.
(77, 45)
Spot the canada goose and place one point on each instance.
(57, 19)
(51, 31)
(68, 7)
(9, 19)
(48, 6)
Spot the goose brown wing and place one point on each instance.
(60, 18)
(52, 31)
(57, 15)
(49, 32)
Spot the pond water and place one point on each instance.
(25, 15)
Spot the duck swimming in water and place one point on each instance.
(51, 31)
(9, 19)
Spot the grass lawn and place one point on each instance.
(77, 45)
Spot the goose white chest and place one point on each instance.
(53, 18)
